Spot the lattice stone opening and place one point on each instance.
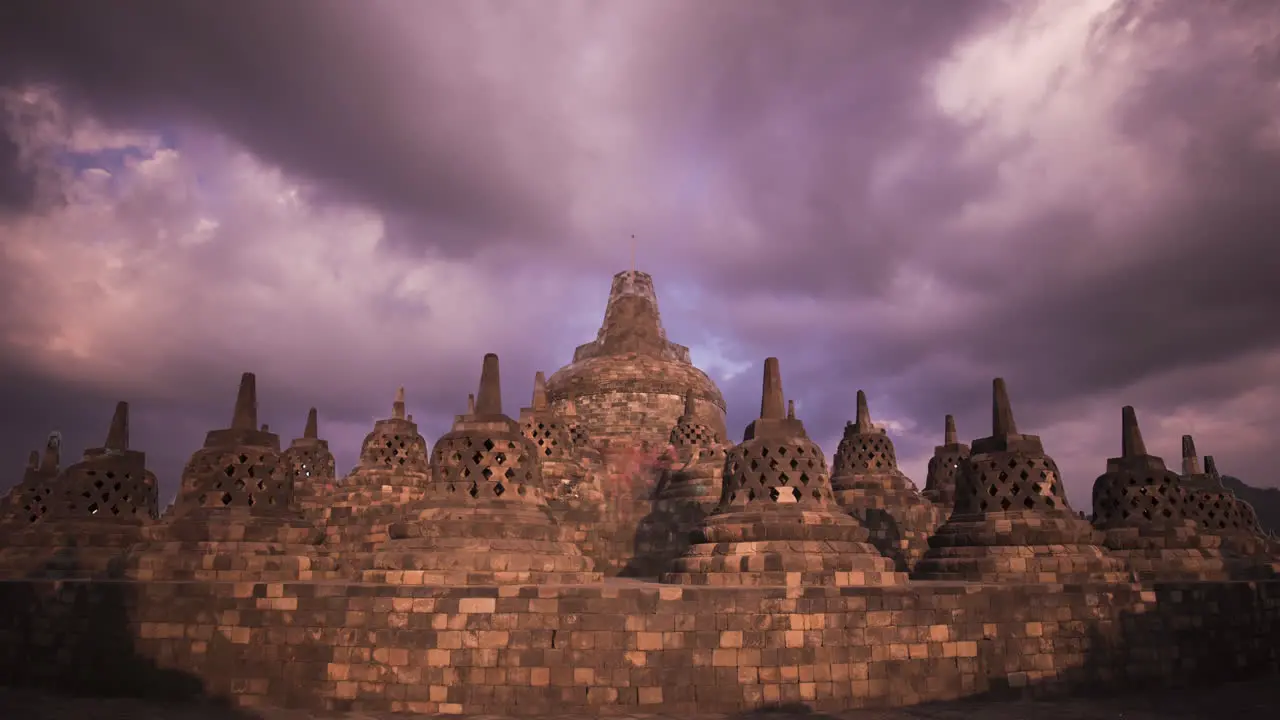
(1137, 498)
(487, 469)
(240, 479)
(865, 452)
(1006, 481)
(97, 490)
(776, 472)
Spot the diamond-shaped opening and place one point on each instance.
(93, 508)
(1029, 502)
(487, 473)
(1006, 503)
(773, 494)
(992, 490)
(498, 489)
(500, 458)
(795, 492)
(474, 490)
(509, 474)
(804, 478)
(477, 457)
(229, 470)
(488, 444)
(244, 458)
(226, 498)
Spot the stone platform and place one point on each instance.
(624, 646)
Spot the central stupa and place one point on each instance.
(630, 384)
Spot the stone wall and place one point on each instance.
(624, 646)
(636, 416)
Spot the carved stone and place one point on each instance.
(234, 518)
(1217, 511)
(393, 470)
(777, 522)
(944, 467)
(866, 482)
(484, 518)
(1012, 522)
(313, 466)
(80, 522)
(1139, 506)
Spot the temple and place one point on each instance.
(613, 548)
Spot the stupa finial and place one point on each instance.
(949, 436)
(689, 403)
(1131, 444)
(312, 430)
(1190, 461)
(397, 406)
(245, 416)
(1002, 423)
(118, 433)
(1210, 466)
(791, 409)
(539, 391)
(863, 418)
(489, 398)
(471, 403)
(771, 405)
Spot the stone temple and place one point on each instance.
(612, 548)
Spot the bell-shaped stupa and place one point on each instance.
(944, 467)
(686, 492)
(484, 518)
(777, 522)
(393, 470)
(866, 481)
(314, 469)
(1217, 511)
(1012, 522)
(629, 384)
(1138, 504)
(80, 522)
(234, 518)
(27, 502)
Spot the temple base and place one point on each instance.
(67, 549)
(230, 547)
(781, 546)
(1019, 547)
(485, 544)
(899, 519)
(1176, 554)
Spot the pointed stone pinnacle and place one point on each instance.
(245, 416)
(52, 457)
(312, 431)
(863, 418)
(949, 433)
(118, 433)
(688, 403)
(33, 460)
(471, 403)
(1131, 444)
(771, 405)
(539, 391)
(489, 399)
(1002, 423)
(570, 406)
(791, 409)
(1210, 465)
(397, 407)
(1190, 461)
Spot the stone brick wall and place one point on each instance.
(637, 416)
(624, 646)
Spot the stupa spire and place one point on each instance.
(863, 418)
(1131, 444)
(791, 409)
(245, 416)
(1002, 423)
(949, 432)
(539, 391)
(1210, 466)
(771, 406)
(1190, 461)
(312, 430)
(489, 398)
(118, 433)
(397, 406)
(52, 457)
(689, 403)
(471, 403)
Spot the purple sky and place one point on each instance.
(905, 196)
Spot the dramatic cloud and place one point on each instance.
(909, 197)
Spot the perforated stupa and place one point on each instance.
(777, 522)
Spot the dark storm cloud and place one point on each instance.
(812, 126)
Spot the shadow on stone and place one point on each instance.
(73, 638)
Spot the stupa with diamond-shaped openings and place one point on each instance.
(944, 466)
(777, 522)
(79, 522)
(484, 516)
(1139, 505)
(234, 518)
(1012, 522)
(314, 469)
(25, 503)
(393, 470)
(866, 481)
(1217, 511)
